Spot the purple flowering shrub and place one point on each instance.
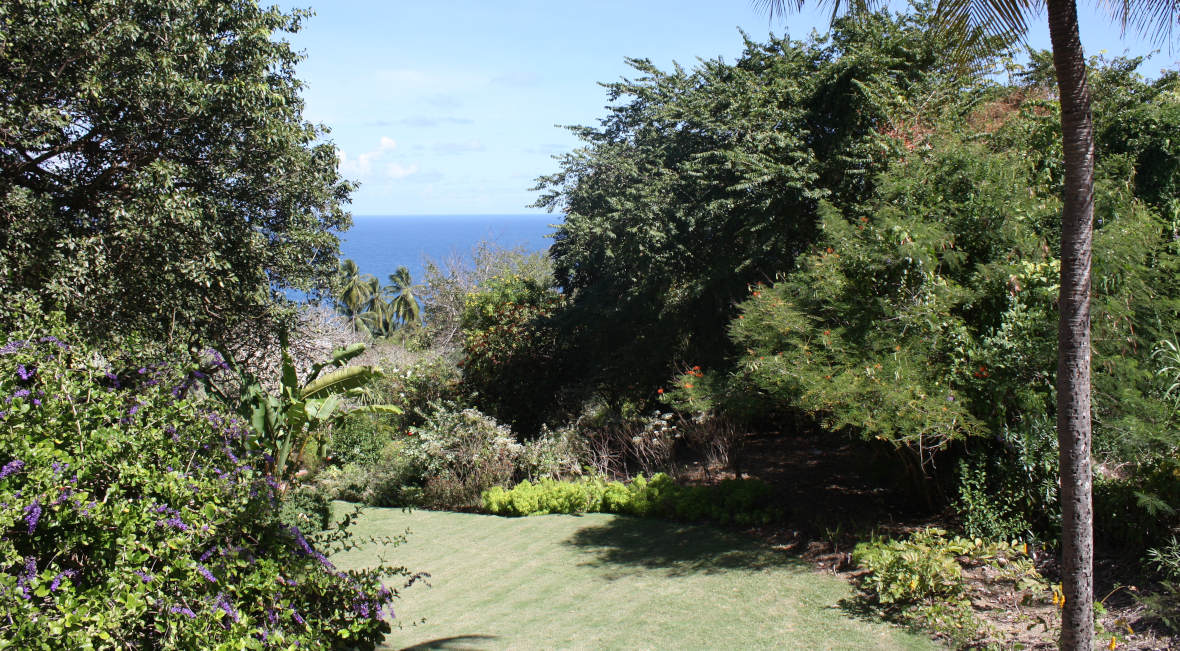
(134, 515)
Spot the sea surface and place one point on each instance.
(381, 244)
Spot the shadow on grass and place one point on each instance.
(680, 549)
(457, 642)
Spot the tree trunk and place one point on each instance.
(1073, 333)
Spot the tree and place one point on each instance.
(356, 293)
(402, 299)
(701, 182)
(970, 19)
(156, 173)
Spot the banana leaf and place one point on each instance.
(340, 381)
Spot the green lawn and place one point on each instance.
(608, 582)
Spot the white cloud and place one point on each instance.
(398, 171)
(361, 165)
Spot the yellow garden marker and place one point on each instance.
(1113, 643)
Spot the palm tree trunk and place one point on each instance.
(1073, 357)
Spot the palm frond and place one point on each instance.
(1156, 19)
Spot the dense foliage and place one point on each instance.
(156, 174)
(699, 183)
(514, 359)
(135, 515)
(920, 580)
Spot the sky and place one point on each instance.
(455, 106)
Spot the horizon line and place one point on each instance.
(463, 214)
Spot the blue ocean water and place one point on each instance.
(381, 244)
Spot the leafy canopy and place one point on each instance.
(698, 183)
(156, 174)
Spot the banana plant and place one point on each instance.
(287, 421)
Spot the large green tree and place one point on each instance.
(156, 173)
(969, 19)
(698, 183)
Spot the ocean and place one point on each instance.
(381, 244)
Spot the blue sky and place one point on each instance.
(451, 107)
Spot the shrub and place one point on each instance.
(359, 438)
(419, 387)
(552, 455)
(747, 501)
(920, 580)
(909, 571)
(511, 362)
(391, 480)
(456, 455)
(134, 515)
(305, 508)
(617, 443)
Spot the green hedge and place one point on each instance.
(745, 501)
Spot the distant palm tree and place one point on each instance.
(379, 320)
(970, 19)
(357, 292)
(402, 299)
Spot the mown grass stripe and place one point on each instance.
(609, 582)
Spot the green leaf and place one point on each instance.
(340, 381)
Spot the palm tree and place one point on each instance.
(402, 299)
(380, 320)
(357, 292)
(969, 19)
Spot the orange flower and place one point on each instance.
(696, 368)
(829, 249)
(864, 219)
(827, 332)
(687, 386)
(661, 392)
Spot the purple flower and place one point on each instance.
(183, 611)
(206, 573)
(144, 576)
(11, 467)
(22, 582)
(21, 393)
(58, 468)
(13, 346)
(176, 523)
(66, 493)
(226, 607)
(24, 373)
(32, 515)
(57, 579)
(361, 608)
(133, 410)
(295, 615)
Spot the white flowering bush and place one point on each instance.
(459, 454)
